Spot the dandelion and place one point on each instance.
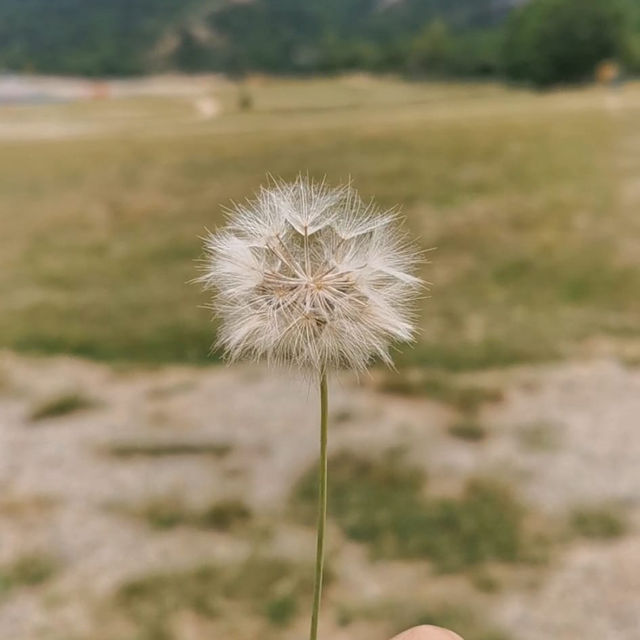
(312, 277)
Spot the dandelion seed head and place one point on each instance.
(311, 276)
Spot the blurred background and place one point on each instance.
(491, 484)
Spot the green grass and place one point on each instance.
(5, 381)
(598, 523)
(440, 387)
(468, 429)
(225, 515)
(266, 587)
(144, 449)
(280, 610)
(27, 571)
(164, 513)
(384, 505)
(519, 193)
(485, 581)
(61, 405)
(410, 612)
(462, 620)
(167, 513)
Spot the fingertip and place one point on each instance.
(428, 632)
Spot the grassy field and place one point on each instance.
(529, 199)
(181, 509)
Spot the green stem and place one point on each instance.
(322, 506)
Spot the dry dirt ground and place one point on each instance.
(564, 434)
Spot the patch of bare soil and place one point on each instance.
(564, 435)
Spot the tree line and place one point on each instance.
(540, 42)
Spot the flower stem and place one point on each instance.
(322, 506)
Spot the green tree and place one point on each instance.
(191, 54)
(432, 49)
(631, 50)
(631, 53)
(561, 41)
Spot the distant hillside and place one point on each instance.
(120, 37)
(92, 37)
